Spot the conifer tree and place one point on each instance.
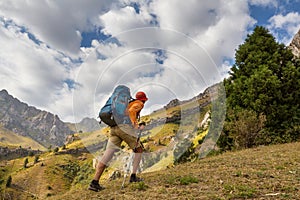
(266, 79)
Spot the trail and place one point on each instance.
(32, 181)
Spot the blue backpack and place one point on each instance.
(114, 110)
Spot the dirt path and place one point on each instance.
(31, 181)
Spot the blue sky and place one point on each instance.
(267, 15)
(66, 56)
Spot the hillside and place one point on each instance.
(9, 138)
(266, 172)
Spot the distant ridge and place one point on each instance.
(22, 119)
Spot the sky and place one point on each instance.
(66, 56)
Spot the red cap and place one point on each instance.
(141, 96)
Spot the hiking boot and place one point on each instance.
(134, 178)
(94, 186)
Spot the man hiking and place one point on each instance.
(123, 132)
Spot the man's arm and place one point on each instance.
(134, 109)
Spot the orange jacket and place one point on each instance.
(134, 108)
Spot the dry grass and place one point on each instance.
(271, 172)
(11, 139)
(261, 173)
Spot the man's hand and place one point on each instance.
(142, 125)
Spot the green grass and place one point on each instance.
(141, 186)
(188, 179)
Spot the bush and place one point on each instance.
(25, 163)
(186, 180)
(55, 149)
(246, 128)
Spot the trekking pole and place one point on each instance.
(127, 169)
(124, 180)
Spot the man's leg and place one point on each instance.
(128, 134)
(113, 142)
(137, 159)
(135, 165)
(108, 154)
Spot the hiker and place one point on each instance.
(123, 132)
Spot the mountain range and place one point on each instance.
(24, 120)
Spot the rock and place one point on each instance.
(295, 45)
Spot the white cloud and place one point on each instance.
(118, 20)
(190, 17)
(28, 70)
(290, 23)
(56, 22)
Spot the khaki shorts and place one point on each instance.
(122, 132)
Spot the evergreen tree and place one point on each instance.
(266, 79)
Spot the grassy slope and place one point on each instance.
(9, 138)
(265, 172)
(271, 172)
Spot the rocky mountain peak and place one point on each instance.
(88, 125)
(42, 126)
(3, 92)
(295, 44)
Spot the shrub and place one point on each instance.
(55, 149)
(140, 186)
(25, 163)
(246, 128)
(186, 180)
